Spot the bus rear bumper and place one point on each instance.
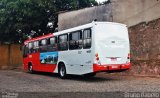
(111, 67)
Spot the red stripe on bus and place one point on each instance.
(110, 67)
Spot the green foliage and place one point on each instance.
(19, 18)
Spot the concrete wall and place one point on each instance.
(10, 56)
(83, 16)
(132, 12)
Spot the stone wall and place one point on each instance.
(145, 40)
(145, 48)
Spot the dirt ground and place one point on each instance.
(19, 81)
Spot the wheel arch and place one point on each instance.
(29, 64)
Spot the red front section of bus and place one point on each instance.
(111, 68)
(34, 59)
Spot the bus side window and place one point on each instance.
(30, 46)
(87, 38)
(53, 43)
(36, 46)
(43, 45)
(63, 42)
(75, 40)
(25, 51)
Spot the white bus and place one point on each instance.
(83, 50)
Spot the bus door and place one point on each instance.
(87, 51)
(75, 52)
(25, 56)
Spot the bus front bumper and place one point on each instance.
(111, 67)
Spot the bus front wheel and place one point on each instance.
(62, 71)
(30, 68)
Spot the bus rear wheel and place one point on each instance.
(62, 71)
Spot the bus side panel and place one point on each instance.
(87, 61)
(79, 61)
(71, 61)
(25, 63)
(34, 59)
(48, 67)
(48, 61)
(88, 55)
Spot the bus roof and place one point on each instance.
(89, 25)
(86, 26)
(38, 38)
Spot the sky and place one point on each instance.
(100, 1)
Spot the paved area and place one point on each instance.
(18, 81)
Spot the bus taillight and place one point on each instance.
(96, 55)
(97, 59)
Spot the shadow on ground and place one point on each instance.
(97, 78)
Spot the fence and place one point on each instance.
(10, 56)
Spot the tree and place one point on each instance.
(22, 18)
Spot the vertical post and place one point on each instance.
(9, 54)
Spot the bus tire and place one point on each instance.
(30, 68)
(62, 71)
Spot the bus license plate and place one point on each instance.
(113, 59)
(114, 67)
